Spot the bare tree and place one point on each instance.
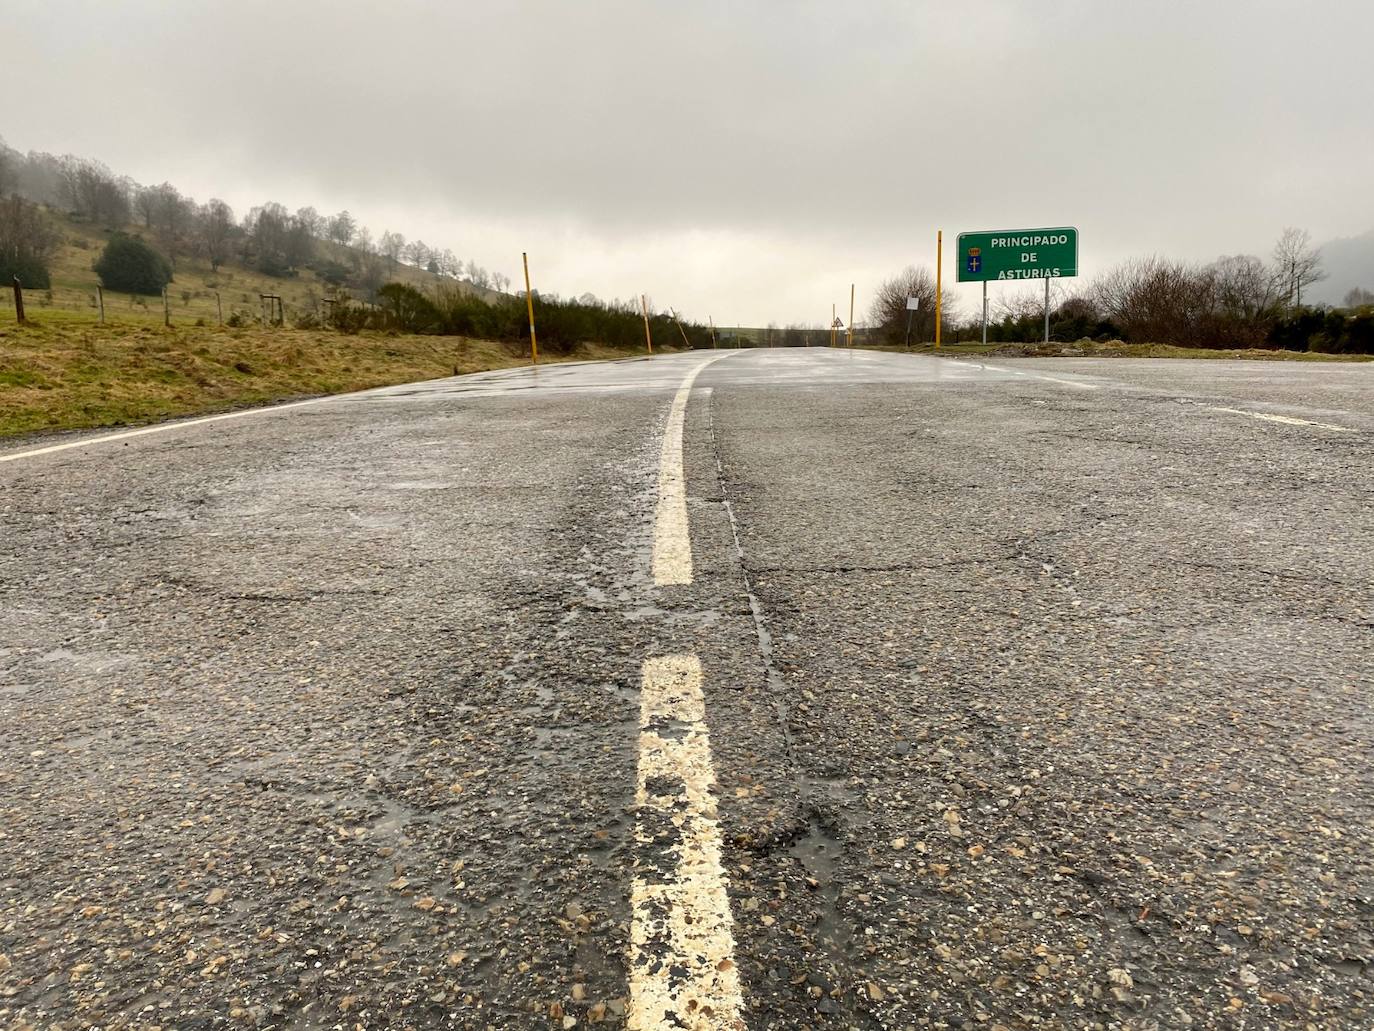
(391, 246)
(478, 276)
(91, 190)
(27, 240)
(1154, 300)
(342, 228)
(1244, 287)
(8, 178)
(310, 222)
(215, 232)
(1358, 297)
(145, 205)
(888, 313)
(1297, 263)
(172, 218)
(417, 254)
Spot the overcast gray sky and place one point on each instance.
(741, 160)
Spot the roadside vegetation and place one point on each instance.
(142, 304)
(1238, 303)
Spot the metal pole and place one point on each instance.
(529, 305)
(851, 315)
(985, 312)
(1047, 310)
(909, 314)
(939, 267)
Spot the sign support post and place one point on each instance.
(913, 305)
(851, 315)
(985, 312)
(1047, 309)
(939, 265)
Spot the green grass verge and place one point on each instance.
(62, 372)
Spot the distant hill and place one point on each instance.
(1349, 262)
(193, 290)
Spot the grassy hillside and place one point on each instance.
(192, 292)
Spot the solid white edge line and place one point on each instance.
(164, 427)
(682, 971)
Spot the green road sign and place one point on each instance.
(1014, 254)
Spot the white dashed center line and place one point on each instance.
(672, 542)
(682, 939)
(682, 942)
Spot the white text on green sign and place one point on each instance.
(1018, 254)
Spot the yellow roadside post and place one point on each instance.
(529, 305)
(939, 258)
(648, 337)
(851, 315)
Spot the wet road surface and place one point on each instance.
(1026, 693)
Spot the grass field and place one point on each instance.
(192, 293)
(61, 371)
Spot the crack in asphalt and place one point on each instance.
(843, 570)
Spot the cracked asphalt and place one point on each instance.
(1038, 696)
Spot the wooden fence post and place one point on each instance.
(100, 303)
(219, 308)
(18, 301)
(166, 312)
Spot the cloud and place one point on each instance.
(726, 157)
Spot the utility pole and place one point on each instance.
(529, 305)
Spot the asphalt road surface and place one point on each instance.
(762, 689)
